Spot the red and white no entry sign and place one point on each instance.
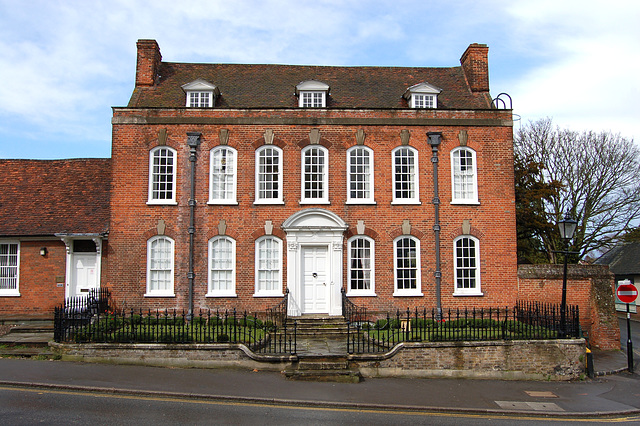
(627, 293)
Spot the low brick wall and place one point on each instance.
(171, 355)
(505, 360)
(515, 360)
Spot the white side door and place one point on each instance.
(84, 274)
(315, 279)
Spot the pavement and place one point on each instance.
(610, 395)
(613, 392)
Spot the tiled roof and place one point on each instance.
(45, 197)
(623, 259)
(273, 86)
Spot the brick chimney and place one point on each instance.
(149, 59)
(476, 67)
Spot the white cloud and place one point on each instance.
(587, 61)
(63, 64)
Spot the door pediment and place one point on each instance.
(314, 220)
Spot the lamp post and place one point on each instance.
(567, 229)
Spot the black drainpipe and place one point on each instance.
(434, 141)
(193, 140)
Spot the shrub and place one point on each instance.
(250, 321)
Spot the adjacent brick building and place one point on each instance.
(232, 184)
(54, 221)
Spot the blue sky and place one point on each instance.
(64, 64)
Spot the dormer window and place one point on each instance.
(422, 95)
(201, 94)
(312, 94)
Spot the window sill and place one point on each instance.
(9, 294)
(468, 294)
(162, 203)
(406, 203)
(302, 202)
(268, 295)
(465, 202)
(221, 295)
(222, 203)
(407, 294)
(159, 295)
(364, 202)
(267, 202)
(355, 294)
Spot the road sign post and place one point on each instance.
(627, 293)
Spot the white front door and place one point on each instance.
(84, 274)
(315, 279)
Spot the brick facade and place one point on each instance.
(156, 117)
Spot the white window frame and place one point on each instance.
(152, 175)
(169, 291)
(414, 179)
(274, 267)
(217, 292)
(424, 101)
(312, 99)
(227, 177)
(202, 99)
(476, 290)
(367, 176)
(324, 181)
(268, 200)
(404, 291)
(9, 272)
(371, 291)
(468, 181)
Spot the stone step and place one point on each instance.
(324, 369)
(323, 365)
(26, 339)
(341, 376)
(26, 352)
(32, 328)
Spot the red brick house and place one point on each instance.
(232, 184)
(54, 221)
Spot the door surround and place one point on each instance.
(70, 274)
(314, 227)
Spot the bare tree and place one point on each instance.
(599, 183)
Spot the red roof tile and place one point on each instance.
(45, 197)
(273, 86)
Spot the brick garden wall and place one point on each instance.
(590, 287)
(516, 360)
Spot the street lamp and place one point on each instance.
(567, 229)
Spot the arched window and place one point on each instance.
(160, 255)
(222, 176)
(315, 160)
(361, 266)
(466, 253)
(269, 266)
(268, 175)
(162, 176)
(360, 175)
(222, 267)
(463, 176)
(406, 257)
(405, 176)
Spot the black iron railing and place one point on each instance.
(173, 326)
(526, 321)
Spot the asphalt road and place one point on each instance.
(28, 406)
